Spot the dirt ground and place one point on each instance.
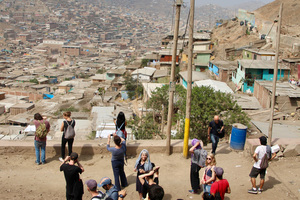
(22, 179)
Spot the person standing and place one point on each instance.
(74, 186)
(214, 130)
(195, 167)
(121, 123)
(220, 186)
(142, 165)
(40, 137)
(259, 153)
(209, 174)
(117, 160)
(67, 122)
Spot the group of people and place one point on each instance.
(147, 174)
(147, 185)
(42, 127)
(214, 186)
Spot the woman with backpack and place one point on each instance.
(195, 165)
(120, 125)
(42, 128)
(66, 129)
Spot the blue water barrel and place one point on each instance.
(238, 136)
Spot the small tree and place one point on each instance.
(144, 62)
(101, 93)
(34, 81)
(206, 103)
(133, 87)
(144, 127)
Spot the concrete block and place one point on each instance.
(292, 150)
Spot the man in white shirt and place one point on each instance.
(259, 153)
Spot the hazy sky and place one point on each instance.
(226, 3)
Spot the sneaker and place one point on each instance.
(37, 163)
(259, 191)
(251, 191)
(193, 192)
(61, 159)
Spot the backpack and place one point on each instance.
(70, 132)
(41, 131)
(199, 157)
(119, 132)
(264, 164)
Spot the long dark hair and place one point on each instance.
(120, 120)
(38, 116)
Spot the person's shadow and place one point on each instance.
(270, 183)
(167, 197)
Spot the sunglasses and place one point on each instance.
(208, 158)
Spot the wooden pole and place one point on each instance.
(172, 77)
(189, 81)
(275, 77)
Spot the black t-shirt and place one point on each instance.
(215, 127)
(146, 187)
(66, 123)
(71, 173)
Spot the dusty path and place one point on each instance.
(22, 179)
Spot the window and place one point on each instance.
(271, 71)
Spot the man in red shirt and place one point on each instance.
(220, 186)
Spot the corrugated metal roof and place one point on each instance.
(261, 64)
(196, 76)
(282, 89)
(216, 85)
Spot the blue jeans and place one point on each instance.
(40, 145)
(214, 139)
(206, 188)
(118, 169)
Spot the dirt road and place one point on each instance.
(22, 179)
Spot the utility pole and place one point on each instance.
(275, 77)
(172, 77)
(189, 81)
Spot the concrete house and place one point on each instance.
(256, 54)
(294, 65)
(98, 78)
(287, 97)
(250, 70)
(222, 70)
(196, 76)
(144, 75)
(114, 73)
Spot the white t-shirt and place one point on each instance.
(260, 151)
